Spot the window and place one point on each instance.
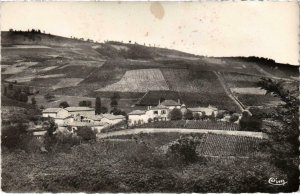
(163, 112)
(155, 112)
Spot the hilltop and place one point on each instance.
(85, 69)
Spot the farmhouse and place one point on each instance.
(82, 111)
(209, 111)
(74, 117)
(156, 113)
(112, 119)
(98, 126)
(171, 104)
(58, 114)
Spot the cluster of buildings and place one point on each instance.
(74, 117)
(162, 110)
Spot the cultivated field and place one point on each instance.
(192, 124)
(256, 91)
(141, 80)
(226, 145)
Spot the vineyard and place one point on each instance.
(226, 145)
(240, 80)
(192, 124)
(184, 80)
(258, 100)
(141, 80)
(215, 125)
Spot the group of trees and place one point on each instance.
(18, 93)
(283, 131)
(176, 114)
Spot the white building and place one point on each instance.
(112, 119)
(81, 111)
(157, 113)
(58, 114)
(171, 104)
(210, 110)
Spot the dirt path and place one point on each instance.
(228, 91)
(180, 130)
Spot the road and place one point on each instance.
(228, 92)
(180, 130)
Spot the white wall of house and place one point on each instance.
(137, 119)
(59, 114)
(53, 115)
(83, 113)
(172, 107)
(111, 121)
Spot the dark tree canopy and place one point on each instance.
(98, 106)
(64, 104)
(175, 114)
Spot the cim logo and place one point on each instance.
(275, 181)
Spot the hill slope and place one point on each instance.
(68, 66)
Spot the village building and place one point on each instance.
(112, 119)
(80, 111)
(58, 114)
(171, 104)
(208, 111)
(156, 113)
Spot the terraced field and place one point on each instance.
(141, 80)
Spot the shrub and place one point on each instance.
(175, 114)
(234, 117)
(184, 149)
(86, 133)
(250, 124)
(64, 104)
(188, 115)
(12, 135)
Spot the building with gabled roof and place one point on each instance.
(81, 111)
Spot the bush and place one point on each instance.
(184, 149)
(12, 135)
(250, 124)
(175, 114)
(234, 117)
(188, 115)
(64, 104)
(86, 133)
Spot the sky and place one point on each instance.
(265, 29)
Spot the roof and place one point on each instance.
(52, 110)
(82, 124)
(137, 112)
(160, 106)
(79, 108)
(113, 117)
(95, 117)
(170, 103)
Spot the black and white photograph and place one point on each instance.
(149, 96)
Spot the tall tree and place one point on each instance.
(98, 106)
(283, 131)
(33, 101)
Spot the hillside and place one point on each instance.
(73, 67)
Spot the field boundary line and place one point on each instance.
(228, 91)
(259, 135)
